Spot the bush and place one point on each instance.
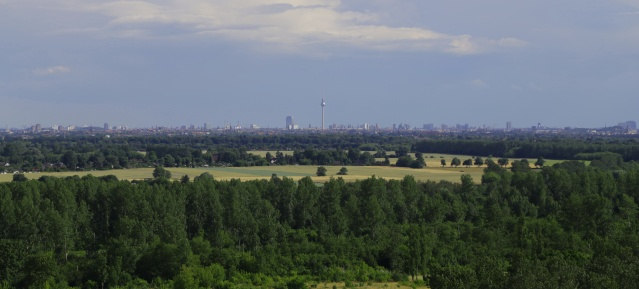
(161, 173)
(343, 171)
(19, 178)
(321, 171)
(296, 283)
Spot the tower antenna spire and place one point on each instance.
(323, 105)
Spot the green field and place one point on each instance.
(295, 172)
(433, 171)
(263, 153)
(432, 159)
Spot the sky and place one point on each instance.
(180, 62)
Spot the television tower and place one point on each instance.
(323, 105)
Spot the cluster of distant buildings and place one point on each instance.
(54, 129)
(622, 128)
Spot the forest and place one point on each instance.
(82, 153)
(565, 226)
(78, 153)
(558, 147)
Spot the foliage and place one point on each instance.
(540, 162)
(562, 226)
(19, 178)
(161, 173)
(553, 147)
(321, 171)
(85, 153)
(409, 162)
(343, 171)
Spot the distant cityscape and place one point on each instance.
(290, 126)
(622, 128)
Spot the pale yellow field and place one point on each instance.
(295, 172)
(263, 153)
(433, 171)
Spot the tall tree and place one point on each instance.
(455, 162)
(540, 162)
(321, 171)
(161, 173)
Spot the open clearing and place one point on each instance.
(293, 171)
(263, 153)
(433, 171)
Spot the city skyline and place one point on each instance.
(291, 124)
(144, 63)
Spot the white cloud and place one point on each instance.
(52, 70)
(283, 24)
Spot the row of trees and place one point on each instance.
(18, 156)
(407, 161)
(566, 226)
(322, 157)
(562, 147)
(321, 171)
(503, 162)
(99, 152)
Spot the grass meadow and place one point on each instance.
(433, 171)
(293, 171)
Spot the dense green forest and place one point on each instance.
(64, 153)
(560, 147)
(566, 226)
(100, 152)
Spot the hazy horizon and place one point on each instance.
(171, 63)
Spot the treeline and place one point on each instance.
(19, 157)
(100, 152)
(567, 226)
(324, 157)
(532, 147)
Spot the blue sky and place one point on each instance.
(146, 63)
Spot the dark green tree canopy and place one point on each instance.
(321, 171)
(161, 173)
(569, 225)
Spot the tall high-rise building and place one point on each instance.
(289, 123)
(628, 125)
(509, 126)
(106, 126)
